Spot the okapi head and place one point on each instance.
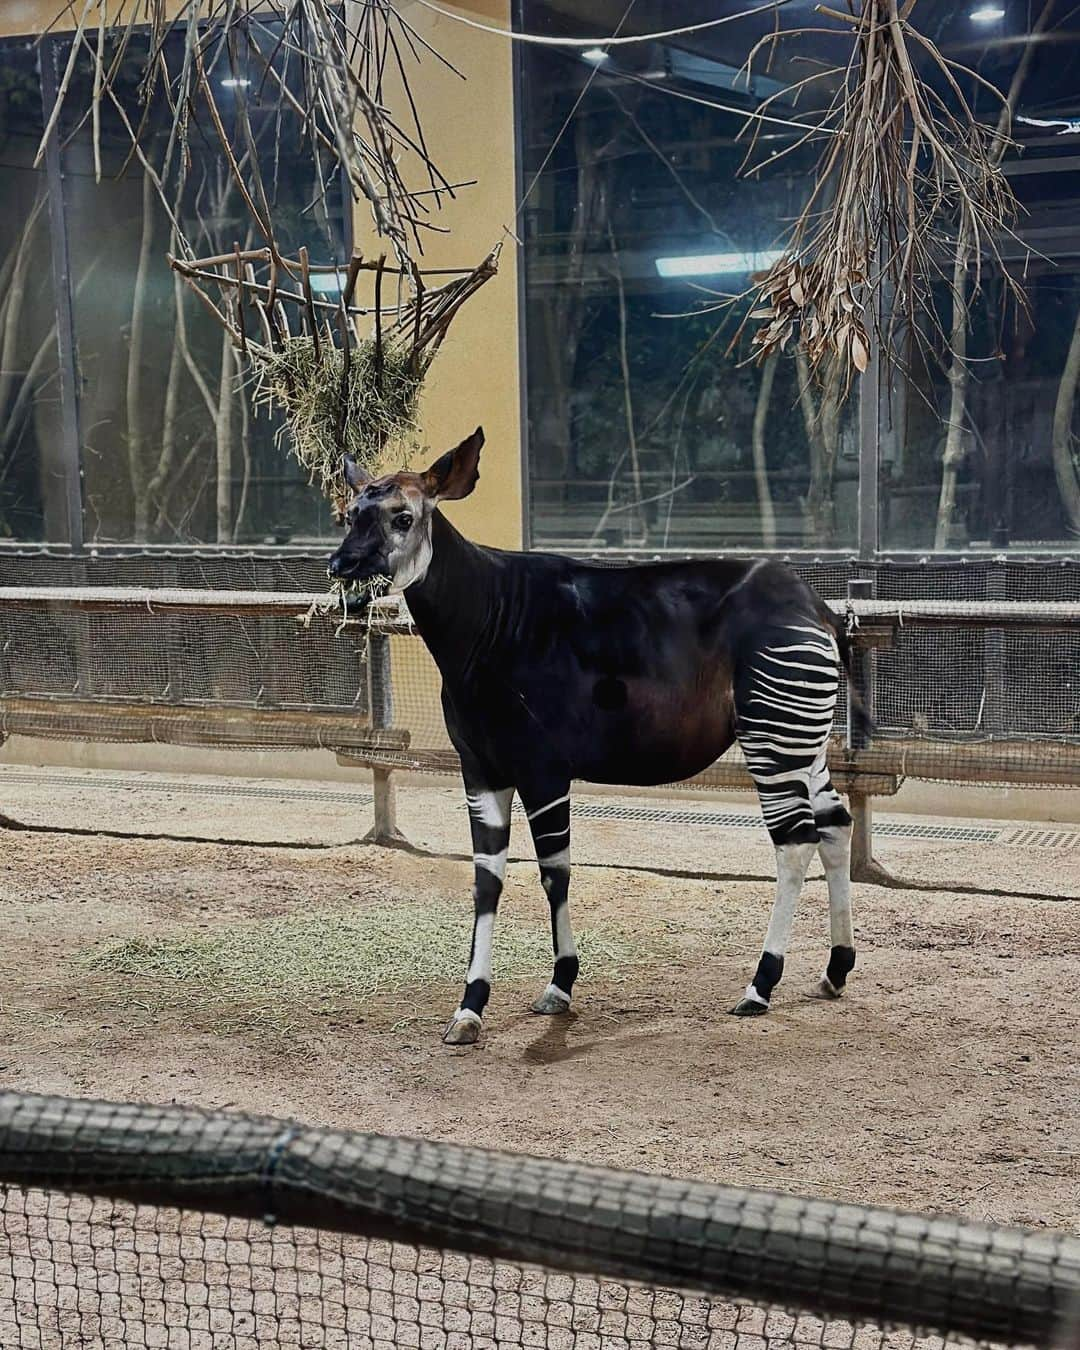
(389, 518)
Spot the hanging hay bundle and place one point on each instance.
(364, 407)
(341, 393)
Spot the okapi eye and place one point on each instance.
(402, 521)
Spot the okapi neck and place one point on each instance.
(452, 606)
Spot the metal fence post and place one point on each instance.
(863, 865)
(381, 703)
(69, 448)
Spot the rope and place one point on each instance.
(544, 40)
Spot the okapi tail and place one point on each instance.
(862, 724)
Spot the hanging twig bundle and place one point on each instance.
(347, 376)
(907, 175)
(328, 73)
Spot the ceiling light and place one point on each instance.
(596, 55)
(987, 14)
(711, 264)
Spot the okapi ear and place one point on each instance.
(355, 477)
(454, 474)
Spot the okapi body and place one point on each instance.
(555, 670)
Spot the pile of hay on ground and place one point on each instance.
(358, 954)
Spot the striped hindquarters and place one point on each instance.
(785, 697)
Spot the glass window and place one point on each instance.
(984, 454)
(174, 448)
(645, 430)
(650, 431)
(33, 504)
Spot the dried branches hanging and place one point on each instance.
(328, 77)
(907, 170)
(345, 375)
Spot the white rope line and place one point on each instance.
(394, 608)
(746, 113)
(545, 41)
(562, 130)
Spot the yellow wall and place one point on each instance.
(470, 131)
(475, 378)
(31, 16)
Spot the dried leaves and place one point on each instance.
(907, 178)
(791, 305)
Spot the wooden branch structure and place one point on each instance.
(419, 321)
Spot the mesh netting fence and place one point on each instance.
(172, 1228)
(972, 669)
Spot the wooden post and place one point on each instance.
(381, 704)
(864, 867)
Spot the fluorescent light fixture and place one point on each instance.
(328, 283)
(235, 84)
(987, 14)
(596, 55)
(711, 264)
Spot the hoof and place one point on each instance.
(825, 989)
(552, 1002)
(750, 1007)
(464, 1029)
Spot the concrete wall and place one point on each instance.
(475, 378)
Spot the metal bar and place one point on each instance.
(316, 550)
(517, 57)
(70, 435)
(869, 449)
(879, 620)
(861, 690)
(381, 712)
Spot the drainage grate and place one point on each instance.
(974, 834)
(115, 782)
(746, 820)
(584, 809)
(1030, 838)
(733, 820)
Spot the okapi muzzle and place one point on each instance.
(365, 550)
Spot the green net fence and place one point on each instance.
(166, 1227)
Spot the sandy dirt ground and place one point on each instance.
(947, 1079)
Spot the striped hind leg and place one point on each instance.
(834, 826)
(785, 696)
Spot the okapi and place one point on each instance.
(555, 670)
